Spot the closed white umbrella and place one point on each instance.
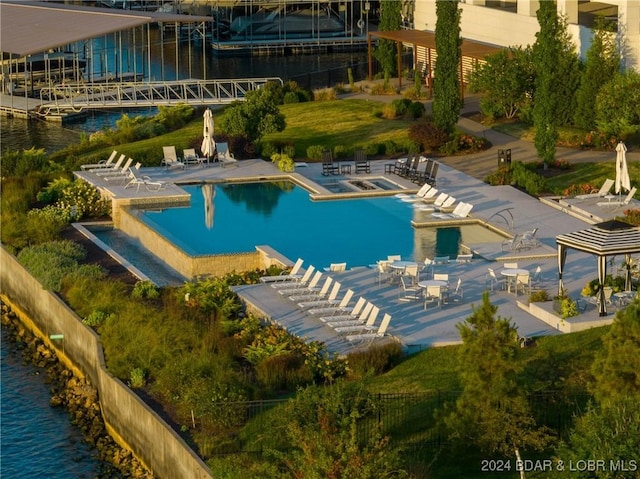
(622, 172)
(209, 193)
(208, 143)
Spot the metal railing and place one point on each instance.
(80, 96)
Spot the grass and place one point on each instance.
(351, 123)
(593, 173)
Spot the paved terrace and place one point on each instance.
(413, 326)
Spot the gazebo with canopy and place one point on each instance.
(609, 238)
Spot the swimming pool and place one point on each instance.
(236, 217)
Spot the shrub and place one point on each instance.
(401, 105)
(145, 290)
(283, 162)
(340, 151)
(174, 117)
(416, 110)
(137, 378)
(539, 296)
(568, 308)
(374, 149)
(325, 94)
(291, 97)
(389, 111)
(428, 135)
(53, 191)
(631, 216)
(531, 182)
(51, 262)
(502, 176)
(374, 360)
(390, 148)
(284, 371)
(96, 318)
(314, 152)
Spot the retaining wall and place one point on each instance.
(132, 423)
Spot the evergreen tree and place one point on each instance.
(493, 411)
(447, 101)
(390, 19)
(567, 75)
(601, 64)
(546, 55)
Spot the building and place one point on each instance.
(514, 23)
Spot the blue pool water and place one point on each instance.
(281, 215)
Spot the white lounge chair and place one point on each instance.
(446, 204)
(341, 307)
(285, 276)
(370, 334)
(190, 157)
(460, 211)
(604, 190)
(441, 198)
(112, 167)
(327, 301)
(110, 174)
(358, 328)
(416, 197)
(314, 293)
(624, 202)
(170, 158)
(297, 288)
(138, 181)
(336, 267)
(304, 279)
(346, 315)
(224, 155)
(102, 164)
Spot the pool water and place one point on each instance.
(234, 217)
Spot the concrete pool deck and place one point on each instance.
(501, 207)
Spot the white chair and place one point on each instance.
(383, 273)
(102, 164)
(462, 210)
(432, 295)
(341, 308)
(438, 202)
(190, 157)
(313, 293)
(411, 272)
(457, 293)
(298, 289)
(510, 265)
(441, 277)
(352, 319)
(494, 281)
(537, 278)
(523, 284)
(294, 274)
(336, 267)
(365, 321)
(223, 154)
(464, 258)
(394, 257)
(441, 260)
(604, 190)
(304, 279)
(409, 292)
(624, 202)
(327, 301)
(369, 333)
(170, 158)
(529, 239)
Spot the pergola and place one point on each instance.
(609, 238)
(419, 38)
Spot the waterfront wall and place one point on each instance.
(132, 423)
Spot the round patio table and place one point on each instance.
(513, 273)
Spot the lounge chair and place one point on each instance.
(438, 202)
(461, 211)
(464, 258)
(339, 308)
(352, 319)
(298, 288)
(102, 164)
(224, 156)
(336, 267)
(285, 276)
(304, 279)
(170, 158)
(314, 292)
(116, 173)
(513, 244)
(113, 167)
(190, 157)
(364, 320)
(624, 202)
(604, 190)
(349, 313)
(441, 260)
(416, 197)
(361, 162)
(138, 181)
(370, 333)
(447, 204)
(323, 302)
(329, 167)
(529, 239)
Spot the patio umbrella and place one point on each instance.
(209, 193)
(622, 173)
(208, 143)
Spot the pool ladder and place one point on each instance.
(506, 215)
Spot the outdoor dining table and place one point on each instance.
(511, 274)
(433, 282)
(399, 266)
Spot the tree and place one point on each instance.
(390, 19)
(601, 65)
(618, 105)
(492, 411)
(324, 439)
(616, 368)
(446, 88)
(546, 54)
(507, 80)
(257, 116)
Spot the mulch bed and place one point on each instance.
(96, 255)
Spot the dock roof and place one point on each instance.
(30, 27)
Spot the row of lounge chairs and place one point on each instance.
(355, 323)
(170, 158)
(126, 174)
(428, 198)
(413, 170)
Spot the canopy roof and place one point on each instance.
(30, 27)
(604, 239)
(470, 48)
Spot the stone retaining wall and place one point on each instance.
(132, 422)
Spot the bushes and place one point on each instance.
(518, 175)
(283, 162)
(50, 262)
(16, 163)
(428, 135)
(314, 152)
(374, 360)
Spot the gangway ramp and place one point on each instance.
(59, 99)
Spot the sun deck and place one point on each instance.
(503, 208)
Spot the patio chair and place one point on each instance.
(421, 177)
(190, 157)
(536, 277)
(170, 158)
(510, 265)
(604, 190)
(313, 293)
(329, 167)
(440, 209)
(371, 334)
(523, 284)
(361, 162)
(359, 312)
(285, 276)
(297, 288)
(113, 167)
(441, 260)
(327, 301)
(456, 294)
(529, 239)
(138, 181)
(595, 300)
(365, 321)
(493, 280)
(120, 174)
(410, 168)
(464, 258)
(102, 164)
(513, 244)
(382, 270)
(224, 156)
(432, 295)
(434, 173)
(336, 267)
(624, 202)
(408, 292)
(399, 165)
